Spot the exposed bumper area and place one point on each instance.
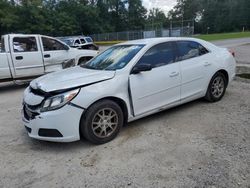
(60, 125)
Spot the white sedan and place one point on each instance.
(126, 82)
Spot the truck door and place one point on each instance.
(4, 63)
(26, 56)
(54, 54)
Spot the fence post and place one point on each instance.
(170, 29)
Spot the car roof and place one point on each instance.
(152, 41)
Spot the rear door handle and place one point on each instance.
(19, 57)
(46, 56)
(173, 74)
(206, 64)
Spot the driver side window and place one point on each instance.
(51, 44)
(159, 55)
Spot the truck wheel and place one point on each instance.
(102, 122)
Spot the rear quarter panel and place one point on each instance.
(221, 59)
(225, 61)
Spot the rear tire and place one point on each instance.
(102, 122)
(216, 88)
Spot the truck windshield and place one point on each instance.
(114, 58)
(2, 48)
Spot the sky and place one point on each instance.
(165, 5)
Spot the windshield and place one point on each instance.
(114, 58)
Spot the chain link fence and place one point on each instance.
(142, 34)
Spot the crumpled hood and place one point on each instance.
(70, 78)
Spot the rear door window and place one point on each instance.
(190, 49)
(159, 55)
(52, 44)
(24, 44)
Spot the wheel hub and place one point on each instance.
(218, 87)
(105, 122)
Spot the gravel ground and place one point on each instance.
(195, 145)
(198, 144)
(242, 53)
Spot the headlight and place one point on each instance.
(68, 63)
(58, 101)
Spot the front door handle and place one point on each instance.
(173, 74)
(19, 57)
(46, 56)
(206, 64)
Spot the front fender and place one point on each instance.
(115, 87)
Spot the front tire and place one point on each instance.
(102, 122)
(216, 88)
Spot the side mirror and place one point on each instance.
(141, 68)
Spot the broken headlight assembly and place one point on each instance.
(58, 101)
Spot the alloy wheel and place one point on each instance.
(105, 122)
(218, 86)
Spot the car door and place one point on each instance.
(160, 86)
(26, 56)
(54, 54)
(194, 61)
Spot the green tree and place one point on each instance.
(156, 18)
(136, 14)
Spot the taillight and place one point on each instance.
(232, 52)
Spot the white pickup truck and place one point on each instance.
(23, 57)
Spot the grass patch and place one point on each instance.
(108, 43)
(223, 36)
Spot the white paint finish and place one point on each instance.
(66, 125)
(156, 88)
(161, 88)
(70, 77)
(32, 63)
(194, 75)
(31, 98)
(4, 66)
